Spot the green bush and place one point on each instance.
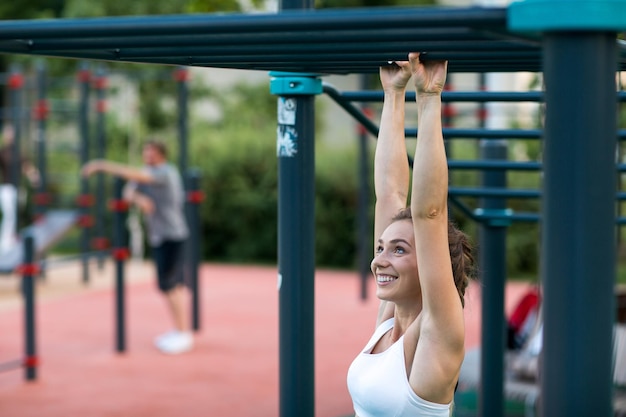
(239, 215)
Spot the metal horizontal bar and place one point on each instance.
(291, 37)
(324, 64)
(504, 165)
(525, 217)
(484, 165)
(453, 96)
(493, 192)
(332, 53)
(452, 133)
(500, 192)
(462, 96)
(333, 67)
(373, 48)
(295, 20)
(301, 57)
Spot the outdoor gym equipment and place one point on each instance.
(578, 205)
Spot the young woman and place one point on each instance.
(411, 364)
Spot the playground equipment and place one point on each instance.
(26, 258)
(574, 45)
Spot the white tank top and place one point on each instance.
(379, 386)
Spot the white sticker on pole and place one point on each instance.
(280, 280)
(286, 111)
(286, 141)
(286, 134)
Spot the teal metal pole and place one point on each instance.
(296, 236)
(296, 240)
(578, 237)
(120, 255)
(578, 250)
(194, 199)
(493, 266)
(29, 272)
(85, 200)
(100, 243)
(41, 116)
(364, 234)
(16, 88)
(181, 76)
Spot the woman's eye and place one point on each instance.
(379, 249)
(399, 250)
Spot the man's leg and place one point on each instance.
(177, 301)
(169, 257)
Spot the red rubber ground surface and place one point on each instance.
(232, 371)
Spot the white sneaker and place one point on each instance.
(163, 337)
(178, 342)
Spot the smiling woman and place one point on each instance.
(422, 262)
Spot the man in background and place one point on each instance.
(157, 190)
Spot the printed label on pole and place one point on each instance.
(286, 141)
(286, 111)
(280, 280)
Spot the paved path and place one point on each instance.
(233, 370)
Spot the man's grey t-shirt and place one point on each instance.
(167, 222)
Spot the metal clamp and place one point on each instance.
(294, 84)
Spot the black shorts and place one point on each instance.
(169, 259)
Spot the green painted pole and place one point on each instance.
(296, 236)
(29, 272)
(100, 242)
(85, 200)
(578, 208)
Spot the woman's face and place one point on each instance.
(395, 263)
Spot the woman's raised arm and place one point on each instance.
(391, 167)
(440, 349)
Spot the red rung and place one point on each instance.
(84, 76)
(41, 110)
(31, 361)
(85, 200)
(120, 254)
(448, 111)
(85, 221)
(101, 106)
(99, 243)
(28, 270)
(100, 83)
(195, 197)
(16, 81)
(42, 199)
(118, 205)
(181, 75)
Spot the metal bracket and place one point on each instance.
(295, 84)
(560, 15)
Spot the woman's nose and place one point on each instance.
(380, 260)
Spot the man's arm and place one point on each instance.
(119, 170)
